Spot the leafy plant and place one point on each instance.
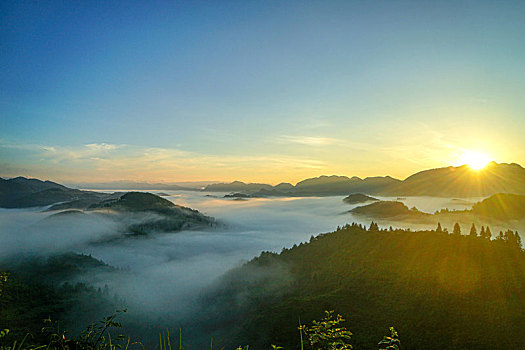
(97, 336)
(328, 334)
(390, 343)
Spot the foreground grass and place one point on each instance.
(326, 334)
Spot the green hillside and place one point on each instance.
(440, 291)
(502, 206)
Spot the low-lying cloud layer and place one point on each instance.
(162, 277)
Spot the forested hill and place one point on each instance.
(460, 181)
(440, 291)
(171, 217)
(21, 192)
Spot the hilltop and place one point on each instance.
(440, 291)
(168, 217)
(356, 198)
(21, 192)
(502, 207)
(461, 181)
(388, 209)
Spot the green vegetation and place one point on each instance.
(388, 209)
(327, 334)
(503, 206)
(168, 217)
(356, 198)
(21, 192)
(35, 289)
(441, 291)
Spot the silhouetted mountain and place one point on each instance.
(387, 209)
(503, 206)
(342, 185)
(317, 186)
(463, 181)
(356, 198)
(169, 217)
(135, 201)
(237, 186)
(460, 181)
(21, 192)
(284, 187)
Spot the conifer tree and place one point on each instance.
(517, 239)
(473, 231)
(482, 232)
(457, 229)
(439, 229)
(488, 234)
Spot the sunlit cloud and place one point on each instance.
(309, 140)
(49, 149)
(96, 162)
(101, 146)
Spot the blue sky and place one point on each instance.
(257, 90)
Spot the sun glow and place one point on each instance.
(475, 160)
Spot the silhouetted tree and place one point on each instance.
(473, 231)
(482, 232)
(374, 227)
(508, 236)
(457, 229)
(518, 239)
(488, 234)
(438, 228)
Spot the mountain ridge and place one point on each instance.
(450, 181)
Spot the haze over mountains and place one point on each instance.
(21, 192)
(132, 232)
(461, 181)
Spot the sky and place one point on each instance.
(267, 91)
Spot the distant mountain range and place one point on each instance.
(21, 192)
(461, 181)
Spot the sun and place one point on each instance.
(475, 160)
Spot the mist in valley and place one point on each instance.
(162, 278)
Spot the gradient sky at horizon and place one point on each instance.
(257, 90)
